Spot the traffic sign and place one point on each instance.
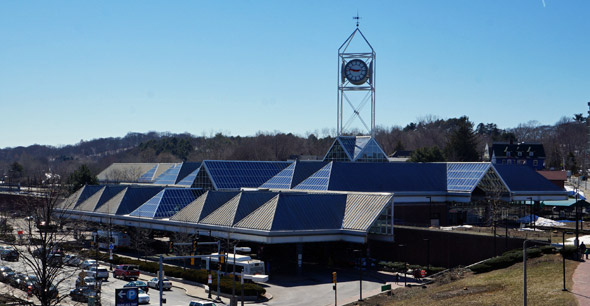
(111, 246)
(126, 297)
(423, 273)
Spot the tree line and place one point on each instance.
(430, 138)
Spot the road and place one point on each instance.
(175, 297)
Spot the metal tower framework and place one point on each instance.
(345, 86)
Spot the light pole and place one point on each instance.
(405, 267)
(524, 272)
(427, 253)
(358, 255)
(233, 291)
(563, 256)
(429, 211)
(532, 212)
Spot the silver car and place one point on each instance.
(154, 283)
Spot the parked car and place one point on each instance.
(98, 273)
(139, 284)
(9, 255)
(28, 280)
(51, 289)
(142, 297)
(87, 282)
(126, 272)
(154, 283)
(16, 279)
(81, 294)
(72, 260)
(201, 303)
(88, 263)
(6, 275)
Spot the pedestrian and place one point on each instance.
(583, 249)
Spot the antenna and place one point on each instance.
(357, 18)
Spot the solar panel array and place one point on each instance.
(239, 174)
(167, 202)
(318, 181)
(169, 176)
(282, 180)
(465, 176)
(148, 176)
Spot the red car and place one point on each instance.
(126, 272)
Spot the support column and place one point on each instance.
(299, 248)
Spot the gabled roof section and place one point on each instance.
(109, 192)
(125, 172)
(70, 202)
(293, 175)
(111, 205)
(363, 209)
(87, 192)
(167, 202)
(90, 203)
(149, 176)
(134, 197)
(520, 178)
(262, 218)
(187, 174)
(464, 177)
(169, 176)
(238, 207)
(282, 180)
(204, 205)
(356, 148)
(296, 211)
(242, 174)
(318, 181)
(379, 177)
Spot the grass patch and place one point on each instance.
(498, 287)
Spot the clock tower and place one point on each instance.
(356, 82)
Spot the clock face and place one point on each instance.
(356, 72)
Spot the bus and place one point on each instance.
(254, 268)
(118, 239)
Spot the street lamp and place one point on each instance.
(429, 210)
(563, 256)
(358, 255)
(233, 291)
(531, 218)
(427, 253)
(405, 267)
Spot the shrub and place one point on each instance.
(8, 238)
(505, 260)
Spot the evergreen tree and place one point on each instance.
(462, 145)
(82, 176)
(427, 155)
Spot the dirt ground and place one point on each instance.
(389, 298)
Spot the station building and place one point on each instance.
(353, 196)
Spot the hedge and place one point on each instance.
(199, 276)
(400, 267)
(508, 258)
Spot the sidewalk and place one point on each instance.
(581, 283)
(191, 289)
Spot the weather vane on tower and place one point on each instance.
(357, 18)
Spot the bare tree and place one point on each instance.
(38, 248)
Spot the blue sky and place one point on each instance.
(79, 70)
